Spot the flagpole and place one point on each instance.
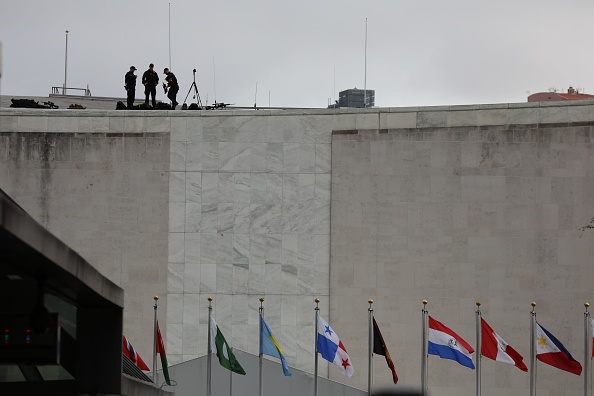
(231, 379)
(261, 361)
(532, 350)
(424, 350)
(317, 309)
(479, 340)
(156, 298)
(587, 349)
(370, 344)
(209, 355)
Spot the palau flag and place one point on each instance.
(269, 346)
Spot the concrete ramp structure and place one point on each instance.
(223, 382)
(452, 204)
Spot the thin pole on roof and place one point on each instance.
(65, 65)
(365, 80)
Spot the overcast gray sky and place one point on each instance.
(301, 53)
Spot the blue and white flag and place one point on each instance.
(331, 348)
(269, 346)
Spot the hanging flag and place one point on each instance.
(130, 352)
(221, 348)
(494, 347)
(380, 348)
(269, 346)
(332, 349)
(161, 351)
(445, 343)
(551, 351)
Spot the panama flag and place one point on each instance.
(549, 350)
(447, 344)
(130, 352)
(331, 348)
(494, 347)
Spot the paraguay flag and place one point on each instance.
(331, 348)
(447, 344)
(131, 354)
(549, 350)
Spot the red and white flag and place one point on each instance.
(494, 347)
(130, 352)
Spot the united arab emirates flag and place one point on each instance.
(222, 350)
(161, 352)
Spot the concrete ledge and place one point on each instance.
(140, 121)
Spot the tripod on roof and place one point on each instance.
(196, 94)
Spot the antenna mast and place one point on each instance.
(365, 80)
(170, 36)
(214, 79)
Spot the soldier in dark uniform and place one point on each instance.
(171, 88)
(130, 86)
(150, 79)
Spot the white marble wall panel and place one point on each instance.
(256, 196)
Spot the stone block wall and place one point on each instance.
(99, 181)
(456, 206)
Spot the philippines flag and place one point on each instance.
(331, 348)
(131, 354)
(447, 344)
(494, 347)
(549, 350)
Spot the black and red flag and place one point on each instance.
(380, 348)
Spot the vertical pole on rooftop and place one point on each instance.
(170, 37)
(65, 65)
(365, 79)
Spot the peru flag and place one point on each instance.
(494, 347)
(130, 352)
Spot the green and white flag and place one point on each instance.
(221, 348)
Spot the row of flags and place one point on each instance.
(158, 347)
(445, 343)
(441, 341)
(129, 351)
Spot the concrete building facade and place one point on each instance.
(449, 204)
